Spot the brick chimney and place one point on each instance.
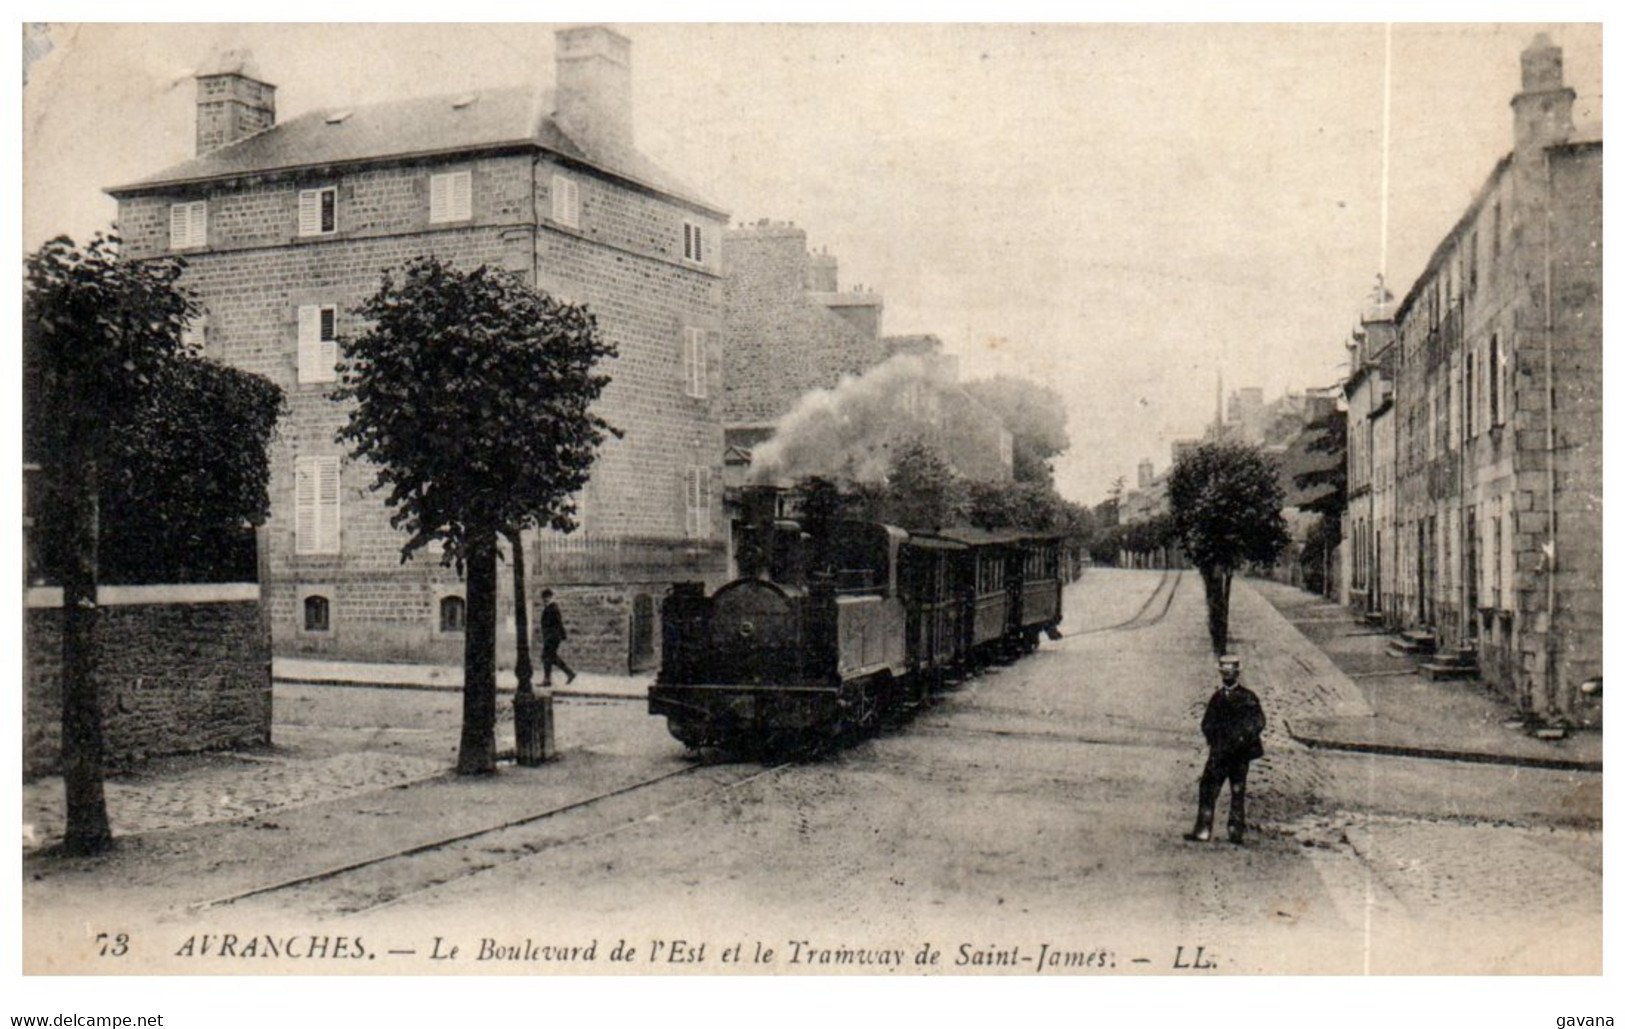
(594, 87)
(1543, 112)
(233, 101)
(1145, 476)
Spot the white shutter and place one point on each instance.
(304, 506)
(691, 502)
(327, 505)
(327, 347)
(703, 519)
(188, 225)
(310, 212)
(701, 341)
(462, 188)
(178, 231)
(449, 197)
(694, 362)
(566, 201)
(310, 343)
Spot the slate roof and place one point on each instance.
(482, 120)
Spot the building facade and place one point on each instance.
(287, 227)
(1497, 531)
(1369, 394)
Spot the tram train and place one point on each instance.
(831, 627)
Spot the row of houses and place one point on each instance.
(1475, 424)
(287, 226)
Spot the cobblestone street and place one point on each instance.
(1040, 800)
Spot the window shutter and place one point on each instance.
(188, 224)
(310, 212)
(327, 348)
(691, 502)
(703, 517)
(304, 506)
(439, 189)
(327, 499)
(310, 338)
(566, 201)
(689, 246)
(178, 218)
(449, 197)
(461, 196)
(701, 341)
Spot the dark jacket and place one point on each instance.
(1234, 724)
(552, 624)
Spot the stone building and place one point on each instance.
(1369, 392)
(1497, 533)
(286, 227)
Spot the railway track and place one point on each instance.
(1143, 618)
(381, 880)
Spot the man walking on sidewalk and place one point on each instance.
(1234, 728)
(553, 634)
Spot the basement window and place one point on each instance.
(318, 614)
(453, 614)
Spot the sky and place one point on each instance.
(1118, 212)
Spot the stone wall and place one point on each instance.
(181, 669)
(780, 340)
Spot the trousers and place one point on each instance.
(1219, 769)
(551, 660)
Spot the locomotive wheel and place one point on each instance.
(692, 735)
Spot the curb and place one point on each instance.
(1438, 754)
(449, 688)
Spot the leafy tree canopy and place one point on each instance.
(1035, 415)
(182, 441)
(1225, 499)
(1328, 436)
(472, 394)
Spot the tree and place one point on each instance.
(186, 473)
(472, 397)
(922, 491)
(1328, 436)
(96, 330)
(1225, 499)
(1035, 416)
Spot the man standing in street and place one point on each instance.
(1234, 727)
(553, 634)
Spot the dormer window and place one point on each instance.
(318, 211)
(188, 225)
(450, 197)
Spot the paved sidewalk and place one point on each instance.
(311, 672)
(1404, 713)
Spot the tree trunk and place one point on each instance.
(477, 752)
(522, 669)
(1216, 587)
(88, 831)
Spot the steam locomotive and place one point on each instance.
(833, 625)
